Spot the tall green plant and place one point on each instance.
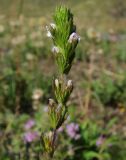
(65, 40)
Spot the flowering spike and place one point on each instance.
(65, 39)
(63, 33)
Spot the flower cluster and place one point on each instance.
(72, 130)
(62, 91)
(57, 114)
(29, 135)
(29, 124)
(65, 39)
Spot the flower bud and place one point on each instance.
(49, 135)
(57, 83)
(55, 49)
(53, 25)
(70, 85)
(51, 102)
(74, 38)
(48, 32)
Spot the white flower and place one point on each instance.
(48, 32)
(69, 83)
(57, 83)
(55, 49)
(53, 25)
(74, 37)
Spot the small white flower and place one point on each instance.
(48, 32)
(69, 83)
(74, 37)
(57, 83)
(55, 49)
(53, 25)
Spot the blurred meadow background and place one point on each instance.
(96, 127)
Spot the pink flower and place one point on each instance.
(29, 124)
(30, 136)
(100, 141)
(72, 130)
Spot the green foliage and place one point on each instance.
(109, 91)
(94, 143)
(121, 52)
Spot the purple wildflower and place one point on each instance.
(72, 130)
(29, 124)
(100, 141)
(30, 136)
